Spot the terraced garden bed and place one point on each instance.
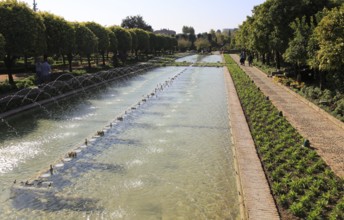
(303, 186)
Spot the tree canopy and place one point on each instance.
(23, 30)
(58, 34)
(102, 36)
(124, 41)
(188, 30)
(142, 39)
(283, 27)
(136, 22)
(85, 40)
(202, 44)
(330, 36)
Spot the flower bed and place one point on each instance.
(301, 182)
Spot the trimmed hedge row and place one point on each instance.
(301, 182)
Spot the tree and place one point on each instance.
(2, 46)
(113, 45)
(202, 44)
(296, 53)
(134, 40)
(184, 44)
(152, 42)
(329, 34)
(188, 30)
(136, 22)
(142, 40)
(59, 34)
(86, 41)
(23, 31)
(69, 47)
(172, 43)
(124, 41)
(102, 36)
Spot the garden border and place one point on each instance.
(253, 186)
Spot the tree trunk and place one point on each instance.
(136, 54)
(64, 63)
(70, 60)
(278, 60)
(25, 63)
(9, 63)
(322, 79)
(97, 58)
(89, 61)
(103, 56)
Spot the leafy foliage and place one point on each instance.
(296, 53)
(101, 34)
(136, 22)
(23, 31)
(202, 44)
(183, 44)
(330, 34)
(188, 30)
(142, 39)
(86, 41)
(59, 34)
(123, 37)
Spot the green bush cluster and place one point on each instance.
(26, 83)
(300, 180)
(332, 102)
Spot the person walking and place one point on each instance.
(250, 60)
(242, 58)
(46, 70)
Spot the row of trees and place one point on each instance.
(299, 32)
(188, 40)
(25, 33)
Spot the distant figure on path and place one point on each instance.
(250, 59)
(242, 58)
(46, 70)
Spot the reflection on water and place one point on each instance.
(201, 59)
(170, 158)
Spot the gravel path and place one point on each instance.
(325, 133)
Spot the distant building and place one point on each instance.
(165, 32)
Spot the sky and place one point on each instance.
(202, 15)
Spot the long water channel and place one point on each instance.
(170, 157)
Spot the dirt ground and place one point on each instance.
(4, 77)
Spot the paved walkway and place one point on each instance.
(325, 133)
(255, 197)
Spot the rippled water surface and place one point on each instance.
(170, 157)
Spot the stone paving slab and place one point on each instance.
(325, 133)
(255, 195)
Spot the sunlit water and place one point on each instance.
(170, 158)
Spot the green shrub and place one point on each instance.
(25, 83)
(327, 95)
(339, 110)
(5, 87)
